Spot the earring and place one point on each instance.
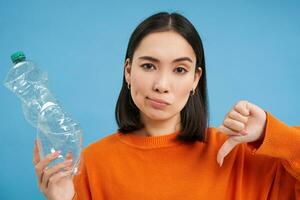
(128, 86)
(192, 92)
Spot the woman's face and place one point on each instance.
(162, 75)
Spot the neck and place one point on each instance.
(159, 127)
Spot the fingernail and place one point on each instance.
(220, 163)
(56, 153)
(243, 132)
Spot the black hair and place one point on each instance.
(194, 115)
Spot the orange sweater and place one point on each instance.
(124, 167)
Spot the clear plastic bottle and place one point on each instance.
(56, 130)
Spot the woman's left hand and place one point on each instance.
(244, 123)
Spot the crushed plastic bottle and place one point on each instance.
(56, 130)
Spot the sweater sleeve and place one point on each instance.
(81, 183)
(282, 142)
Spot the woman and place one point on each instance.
(164, 148)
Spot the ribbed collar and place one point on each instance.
(149, 142)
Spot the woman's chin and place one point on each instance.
(157, 116)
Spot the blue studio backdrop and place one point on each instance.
(251, 47)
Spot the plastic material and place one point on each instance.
(56, 130)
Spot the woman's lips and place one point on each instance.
(157, 103)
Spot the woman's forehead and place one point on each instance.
(164, 45)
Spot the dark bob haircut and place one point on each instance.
(194, 115)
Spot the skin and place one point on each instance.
(163, 79)
(166, 80)
(53, 182)
(244, 123)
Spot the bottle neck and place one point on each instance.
(19, 60)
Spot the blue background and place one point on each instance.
(252, 52)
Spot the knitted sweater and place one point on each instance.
(131, 167)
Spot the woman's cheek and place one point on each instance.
(139, 87)
(182, 94)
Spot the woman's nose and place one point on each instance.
(161, 84)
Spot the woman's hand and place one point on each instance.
(244, 123)
(55, 183)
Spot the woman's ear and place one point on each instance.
(197, 77)
(127, 70)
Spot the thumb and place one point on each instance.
(36, 152)
(226, 148)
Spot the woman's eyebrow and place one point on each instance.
(156, 60)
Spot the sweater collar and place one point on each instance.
(149, 142)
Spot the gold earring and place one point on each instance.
(128, 86)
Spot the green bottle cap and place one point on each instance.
(18, 56)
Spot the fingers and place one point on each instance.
(237, 124)
(226, 148)
(233, 125)
(41, 165)
(235, 115)
(69, 155)
(49, 172)
(36, 152)
(58, 176)
(243, 107)
(228, 131)
(236, 120)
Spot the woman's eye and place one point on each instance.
(147, 66)
(181, 70)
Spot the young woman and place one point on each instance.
(164, 148)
